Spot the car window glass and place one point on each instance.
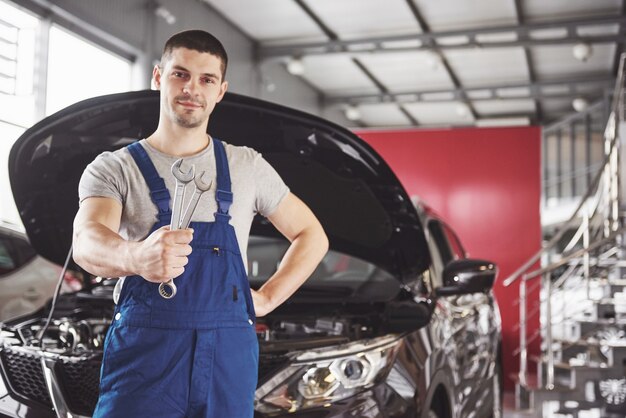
(426, 281)
(439, 237)
(458, 252)
(436, 268)
(7, 262)
(338, 275)
(24, 252)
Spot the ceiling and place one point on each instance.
(396, 63)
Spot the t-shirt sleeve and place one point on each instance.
(270, 187)
(103, 178)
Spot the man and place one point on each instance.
(195, 354)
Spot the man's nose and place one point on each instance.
(189, 86)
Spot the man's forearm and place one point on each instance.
(298, 263)
(101, 251)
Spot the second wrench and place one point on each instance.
(201, 187)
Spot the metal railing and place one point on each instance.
(597, 234)
(572, 150)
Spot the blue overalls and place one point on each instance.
(195, 355)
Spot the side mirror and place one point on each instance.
(463, 277)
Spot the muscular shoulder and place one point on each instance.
(256, 177)
(116, 160)
(105, 176)
(241, 154)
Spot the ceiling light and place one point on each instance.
(165, 14)
(461, 110)
(295, 66)
(433, 60)
(268, 84)
(503, 121)
(580, 104)
(352, 113)
(582, 51)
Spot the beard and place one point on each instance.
(188, 120)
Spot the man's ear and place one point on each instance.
(223, 89)
(156, 77)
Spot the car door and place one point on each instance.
(468, 317)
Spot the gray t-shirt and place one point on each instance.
(256, 187)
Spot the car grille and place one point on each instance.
(80, 381)
(25, 375)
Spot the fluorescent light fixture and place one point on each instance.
(495, 122)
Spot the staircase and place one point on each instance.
(580, 370)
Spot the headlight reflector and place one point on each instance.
(318, 378)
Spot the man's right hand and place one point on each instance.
(163, 254)
(100, 250)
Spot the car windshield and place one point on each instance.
(337, 276)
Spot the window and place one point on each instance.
(18, 31)
(448, 244)
(337, 276)
(436, 232)
(456, 247)
(7, 264)
(78, 70)
(8, 134)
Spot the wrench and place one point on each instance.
(168, 289)
(201, 187)
(179, 194)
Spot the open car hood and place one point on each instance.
(363, 207)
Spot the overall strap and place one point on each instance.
(158, 192)
(223, 194)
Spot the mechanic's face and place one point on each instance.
(191, 84)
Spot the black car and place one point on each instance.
(395, 322)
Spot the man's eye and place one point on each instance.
(179, 74)
(208, 80)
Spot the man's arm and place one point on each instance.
(309, 243)
(100, 250)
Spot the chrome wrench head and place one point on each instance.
(201, 187)
(168, 289)
(180, 175)
(182, 179)
(201, 184)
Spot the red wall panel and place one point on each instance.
(485, 182)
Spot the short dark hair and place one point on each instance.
(198, 40)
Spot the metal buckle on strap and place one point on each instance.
(161, 198)
(224, 200)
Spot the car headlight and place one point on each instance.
(321, 377)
